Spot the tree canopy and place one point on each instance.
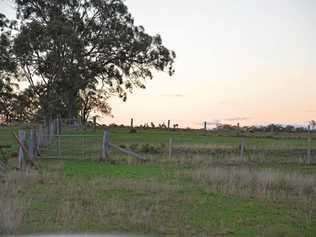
(75, 54)
(8, 85)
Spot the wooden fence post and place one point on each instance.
(309, 141)
(170, 148)
(57, 126)
(21, 152)
(51, 131)
(238, 129)
(35, 139)
(132, 123)
(60, 123)
(39, 138)
(25, 151)
(47, 130)
(168, 124)
(31, 144)
(105, 146)
(205, 126)
(242, 149)
(95, 123)
(38, 141)
(58, 146)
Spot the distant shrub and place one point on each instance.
(113, 125)
(134, 147)
(162, 146)
(147, 148)
(133, 130)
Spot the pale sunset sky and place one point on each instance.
(247, 61)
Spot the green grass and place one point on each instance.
(159, 197)
(124, 171)
(195, 138)
(6, 138)
(170, 204)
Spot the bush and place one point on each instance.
(162, 146)
(134, 147)
(147, 148)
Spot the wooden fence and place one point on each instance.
(49, 143)
(32, 141)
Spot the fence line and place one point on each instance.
(49, 142)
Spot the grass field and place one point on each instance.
(190, 195)
(119, 135)
(122, 135)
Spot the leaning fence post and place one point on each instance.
(170, 148)
(242, 149)
(105, 146)
(21, 152)
(309, 140)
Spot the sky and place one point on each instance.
(248, 61)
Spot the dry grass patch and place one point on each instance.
(258, 182)
(13, 204)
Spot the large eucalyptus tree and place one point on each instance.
(86, 49)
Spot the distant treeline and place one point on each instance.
(268, 128)
(271, 128)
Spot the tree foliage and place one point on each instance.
(81, 52)
(8, 84)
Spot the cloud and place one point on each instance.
(310, 111)
(216, 122)
(236, 119)
(173, 95)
